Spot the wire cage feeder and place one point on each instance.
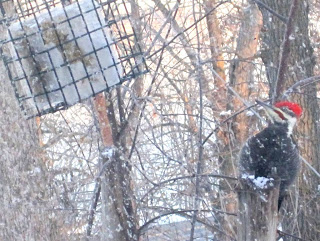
(59, 52)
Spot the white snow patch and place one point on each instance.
(108, 152)
(119, 228)
(247, 176)
(291, 37)
(260, 182)
(249, 113)
(225, 113)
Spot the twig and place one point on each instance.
(176, 7)
(185, 30)
(200, 154)
(261, 4)
(78, 144)
(305, 94)
(239, 97)
(185, 177)
(227, 119)
(145, 226)
(303, 82)
(158, 35)
(311, 167)
(95, 199)
(282, 234)
(284, 54)
(94, 204)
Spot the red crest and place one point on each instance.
(294, 107)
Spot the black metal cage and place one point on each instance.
(58, 53)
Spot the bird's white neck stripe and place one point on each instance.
(291, 123)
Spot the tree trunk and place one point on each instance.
(258, 211)
(118, 213)
(300, 66)
(219, 94)
(241, 76)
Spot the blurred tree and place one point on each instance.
(27, 194)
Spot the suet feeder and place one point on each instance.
(59, 53)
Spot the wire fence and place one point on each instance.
(60, 52)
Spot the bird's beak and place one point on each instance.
(272, 112)
(266, 106)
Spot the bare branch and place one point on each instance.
(145, 226)
(261, 4)
(186, 29)
(303, 83)
(283, 234)
(200, 153)
(186, 177)
(284, 55)
(152, 82)
(94, 204)
(229, 118)
(310, 167)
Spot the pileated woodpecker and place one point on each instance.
(274, 147)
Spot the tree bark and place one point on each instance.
(218, 98)
(241, 76)
(300, 66)
(219, 94)
(118, 213)
(258, 211)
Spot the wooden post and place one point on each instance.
(104, 124)
(258, 211)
